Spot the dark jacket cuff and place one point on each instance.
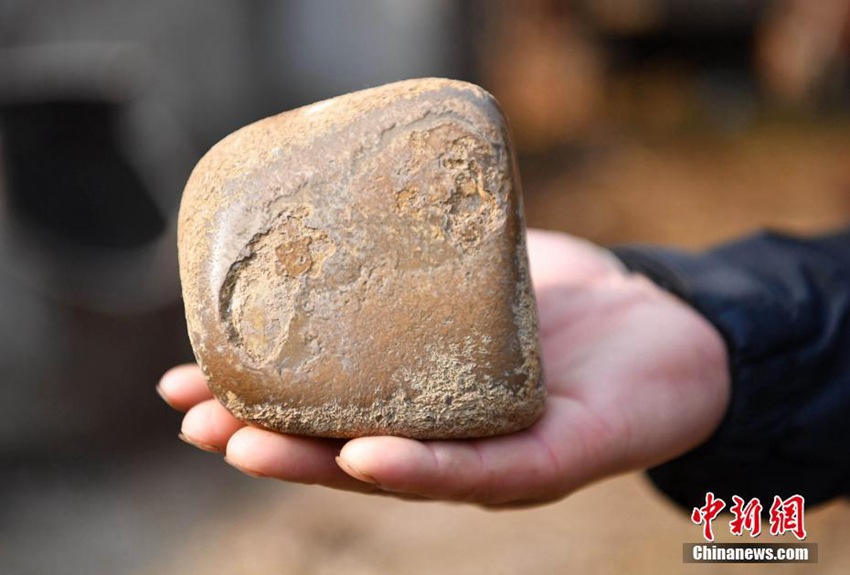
(782, 306)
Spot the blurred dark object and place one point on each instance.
(545, 68)
(90, 171)
(803, 50)
(64, 172)
(571, 72)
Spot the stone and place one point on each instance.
(358, 267)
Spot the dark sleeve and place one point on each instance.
(782, 304)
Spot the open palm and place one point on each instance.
(635, 377)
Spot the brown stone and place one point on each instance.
(358, 267)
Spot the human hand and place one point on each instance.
(635, 377)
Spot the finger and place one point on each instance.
(183, 387)
(310, 460)
(209, 426)
(515, 468)
(555, 258)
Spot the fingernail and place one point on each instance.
(356, 473)
(160, 393)
(198, 444)
(245, 470)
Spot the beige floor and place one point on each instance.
(182, 512)
(620, 526)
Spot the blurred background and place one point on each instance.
(682, 122)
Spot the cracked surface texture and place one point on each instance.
(358, 267)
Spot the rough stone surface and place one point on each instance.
(358, 267)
